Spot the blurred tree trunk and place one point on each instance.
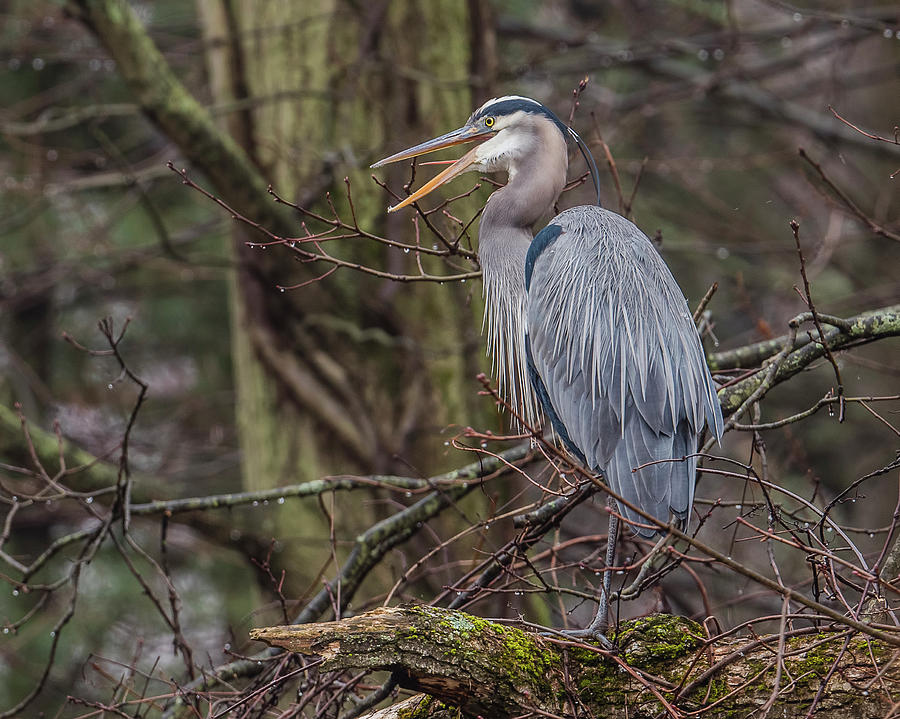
(310, 365)
(349, 374)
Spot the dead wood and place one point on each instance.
(662, 666)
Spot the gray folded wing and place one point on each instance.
(614, 344)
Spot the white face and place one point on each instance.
(513, 140)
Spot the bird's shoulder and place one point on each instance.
(595, 228)
(592, 244)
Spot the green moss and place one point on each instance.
(817, 661)
(429, 706)
(708, 695)
(524, 660)
(717, 689)
(420, 710)
(759, 673)
(600, 681)
(527, 662)
(642, 642)
(658, 638)
(864, 645)
(525, 656)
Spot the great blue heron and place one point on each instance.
(585, 322)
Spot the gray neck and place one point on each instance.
(503, 240)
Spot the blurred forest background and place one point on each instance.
(252, 386)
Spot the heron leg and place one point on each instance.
(600, 624)
(597, 628)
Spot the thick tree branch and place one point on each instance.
(753, 355)
(368, 551)
(663, 666)
(867, 327)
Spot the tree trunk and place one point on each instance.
(662, 667)
(310, 365)
(307, 363)
(308, 102)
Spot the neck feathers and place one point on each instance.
(503, 263)
(535, 181)
(536, 177)
(537, 174)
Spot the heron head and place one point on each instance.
(507, 129)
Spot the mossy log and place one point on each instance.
(662, 666)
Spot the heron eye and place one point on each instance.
(489, 122)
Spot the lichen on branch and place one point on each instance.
(662, 666)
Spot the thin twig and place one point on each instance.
(795, 229)
(847, 202)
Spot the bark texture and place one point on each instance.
(663, 666)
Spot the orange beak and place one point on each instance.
(457, 137)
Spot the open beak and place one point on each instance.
(457, 137)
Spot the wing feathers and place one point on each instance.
(618, 354)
